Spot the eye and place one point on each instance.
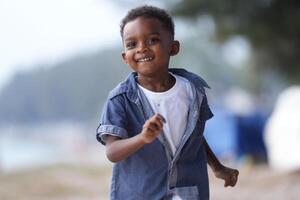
(130, 44)
(153, 40)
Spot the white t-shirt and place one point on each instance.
(173, 105)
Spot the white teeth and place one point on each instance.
(145, 59)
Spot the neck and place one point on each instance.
(160, 83)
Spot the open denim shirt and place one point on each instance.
(152, 172)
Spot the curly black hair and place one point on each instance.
(151, 12)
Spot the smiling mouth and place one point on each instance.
(147, 59)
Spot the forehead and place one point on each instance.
(144, 25)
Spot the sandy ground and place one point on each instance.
(259, 183)
(91, 182)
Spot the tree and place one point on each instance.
(272, 27)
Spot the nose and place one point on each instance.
(142, 48)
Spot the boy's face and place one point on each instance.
(148, 46)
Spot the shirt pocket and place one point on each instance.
(183, 193)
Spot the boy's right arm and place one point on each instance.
(118, 149)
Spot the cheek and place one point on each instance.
(127, 57)
(164, 50)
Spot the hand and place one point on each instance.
(229, 175)
(152, 128)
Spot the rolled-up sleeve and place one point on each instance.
(112, 120)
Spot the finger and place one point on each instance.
(151, 126)
(233, 178)
(157, 122)
(229, 183)
(236, 172)
(226, 184)
(160, 117)
(160, 124)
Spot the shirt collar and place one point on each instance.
(130, 87)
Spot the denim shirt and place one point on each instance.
(152, 172)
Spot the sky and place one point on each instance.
(34, 32)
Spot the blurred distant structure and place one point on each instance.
(272, 27)
(237, 130)
(249, 126)
(250, 145)
(282, 134)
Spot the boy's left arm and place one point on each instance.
(229, 175)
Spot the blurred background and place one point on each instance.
(59, 60)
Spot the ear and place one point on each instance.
(124, 57)
(175, 48)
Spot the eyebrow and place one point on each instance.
(131, 38)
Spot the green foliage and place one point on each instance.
(272, 26)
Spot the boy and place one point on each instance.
(152, 123)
